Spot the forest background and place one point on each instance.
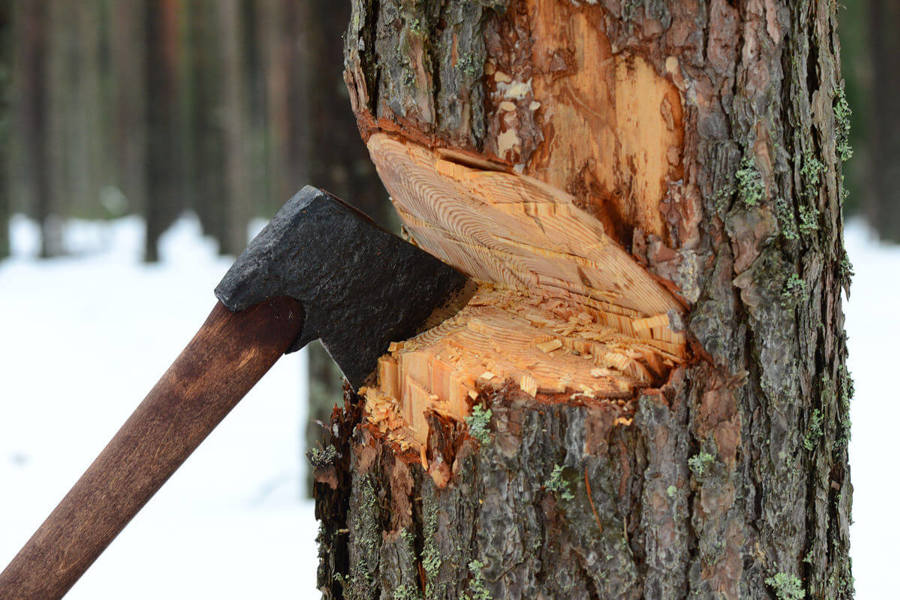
(224, 108)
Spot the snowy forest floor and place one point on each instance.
(83, 338)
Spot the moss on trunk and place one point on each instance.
(732, 481)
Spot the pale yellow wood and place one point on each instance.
(562, 310)
(506, 335)
(514, 231)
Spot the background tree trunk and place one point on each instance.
(164, 158)
(32, 108)
(127, 56)
(337, 161)
(236, 209)
(5, 124)
(730, 479)
(882, 204)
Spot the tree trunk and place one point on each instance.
(882, 205)
(127, 64)
(163, 156)
(236, 204)
(32, 113)
(5, 169)
(648, 397)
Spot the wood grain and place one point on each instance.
(226, 357)
(519, 233)
(563, 309)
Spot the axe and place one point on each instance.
(319, 270)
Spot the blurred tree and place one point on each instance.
(127, 129)
(337, 161)
(78, 151)
(280, 36)
(5, 75)
(855, 53)
(31, 109)
(235, 202)
(165, 198)
(882, 205)
(207, 116)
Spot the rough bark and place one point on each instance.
(732, 479)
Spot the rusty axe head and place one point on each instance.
(361, 287)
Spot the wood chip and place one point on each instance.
(528, 384)
(550, 346)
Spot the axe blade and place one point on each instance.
(360, 286)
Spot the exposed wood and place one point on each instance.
(517, 232)
(563, 285)
(226, 357)
(552, 71)
(545, 347)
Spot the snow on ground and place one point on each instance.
(873, 328)
(82, 339)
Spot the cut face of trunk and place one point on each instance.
(562, 310)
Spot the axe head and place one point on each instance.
(360, 286)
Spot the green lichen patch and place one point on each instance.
(846, 395)
(700, 463)
(321, 458)
(846, 271)
(813, 430)
(479, 422)
(786, 586)
(809, 220)
(811, 171)
(750, 187)
(431, 557)
(406, 592)
(557, 484)
(471, 65)
(786, 222)
(794, 292)
(842, 114)
(477, 589)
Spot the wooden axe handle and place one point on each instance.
(229, 354)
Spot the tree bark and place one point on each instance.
(707, 139)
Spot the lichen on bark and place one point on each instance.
(761, 413)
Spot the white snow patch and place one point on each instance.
(873, 328)
(84, 337)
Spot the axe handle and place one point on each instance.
(227, 356)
